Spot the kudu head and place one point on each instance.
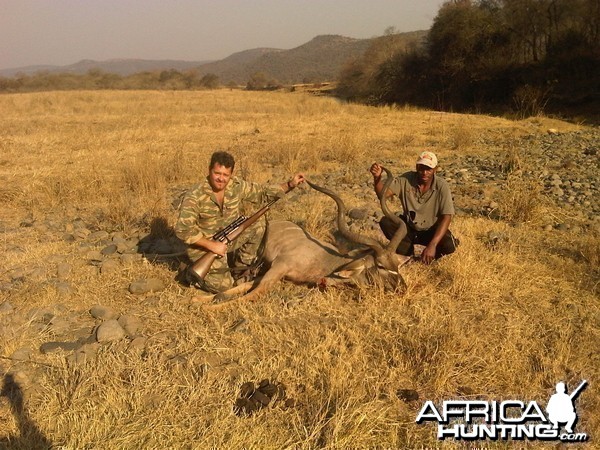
(380, 265)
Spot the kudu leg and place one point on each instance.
(265, 284)
(227, 295)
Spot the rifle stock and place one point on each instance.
(202, 265)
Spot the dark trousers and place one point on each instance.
(446, 246)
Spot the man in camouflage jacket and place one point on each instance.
(215, 203)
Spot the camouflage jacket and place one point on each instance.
(201, 216)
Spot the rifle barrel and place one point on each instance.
(576, 392)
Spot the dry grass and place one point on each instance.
(499, 322)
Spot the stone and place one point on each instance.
(6, 308)
(17, 274)
(64, 289)
(81, 232)
(131, 324)
(54, 346)
(63, 270)
(109, 266)
(130, 258)
(109, 331)
(58, 325)
(109, 249)
(94, 256)
(37, 274)
(146, 285)
(103, 312)
(21, 354)
(358, 213)
(138, 344)
(97, 236)
(130, 247)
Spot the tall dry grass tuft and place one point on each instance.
(461, 137)
(521, 200)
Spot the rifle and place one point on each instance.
(576, 392)
(228, 234)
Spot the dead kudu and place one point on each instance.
(294, 255)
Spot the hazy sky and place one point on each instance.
(63, 32)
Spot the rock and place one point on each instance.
(138, 344)
(90, 349)
(130, 258)
(81, 233)
(109, 249)
(109, 266)
(103, 312)
(17, 274)
(131, 247)
(54, 346)
(146, 285)
(131, 324)
(6, 308)
(37, 274)
(58, 325)
(94, 256)
(358, 213)
(21, 354)
(97, 236)
(63, 270)
(109, 331)
(63, 288)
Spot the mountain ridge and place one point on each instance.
(319, 59)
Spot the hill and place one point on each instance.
(320, 59)
(121, 67)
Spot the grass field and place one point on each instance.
(491, 322)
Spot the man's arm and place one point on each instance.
(295, 181)
(376, 170)
(209, 245)
(443, 223)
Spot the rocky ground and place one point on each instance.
(563, 165)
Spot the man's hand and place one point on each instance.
(376, 170)
(296, 180)
(216, 247)
(428, 254)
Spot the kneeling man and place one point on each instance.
(427, 209)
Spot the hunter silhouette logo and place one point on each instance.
(508, 419)
(560, 406)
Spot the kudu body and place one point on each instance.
(293, 254)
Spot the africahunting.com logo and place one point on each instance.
(509, 419)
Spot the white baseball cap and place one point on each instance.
(428, 159)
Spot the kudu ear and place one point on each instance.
(350, 270)
(402, 260)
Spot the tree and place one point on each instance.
(210, 81)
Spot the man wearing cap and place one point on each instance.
(427, 209)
